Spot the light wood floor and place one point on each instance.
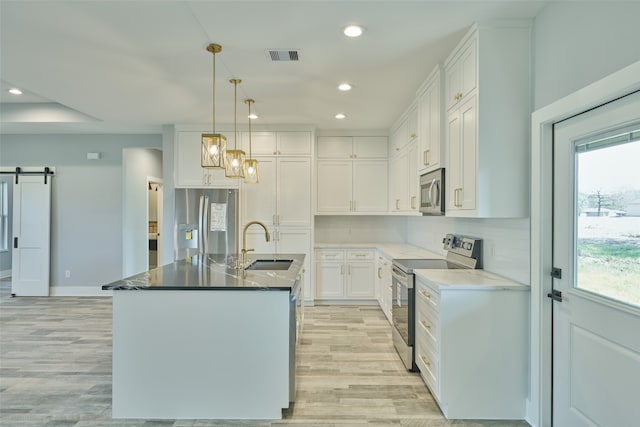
(55, 370)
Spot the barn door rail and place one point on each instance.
(47, 171)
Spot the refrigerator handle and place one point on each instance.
(205, 231)
(200, 224)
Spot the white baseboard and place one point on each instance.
(78, 291)
(5, 273)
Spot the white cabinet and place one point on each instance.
(471, 348)
(405, 130)
(188, 170)
(352, 147)
(384, 285)
(403, 174)
(282, 196)
(286, 143)
(351, 175)
(461, 69)
(487, 91)
(345, 274)
(462, 172)
(431, 115)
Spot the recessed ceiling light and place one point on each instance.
(15, 91)
(353, 31)
(344, 87)
(340, 116)
(252, 116)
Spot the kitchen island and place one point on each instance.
(197, 339)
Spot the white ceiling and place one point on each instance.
(132, 66)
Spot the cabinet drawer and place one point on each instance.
(330, 255)
(428, 296)
(428, 363)
(360, 255)
(427, 323)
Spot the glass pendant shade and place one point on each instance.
(214, 150)
(251, 171)
(235, 164)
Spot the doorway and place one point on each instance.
(596, 266)
(154, 221)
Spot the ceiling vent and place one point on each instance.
(283, 55)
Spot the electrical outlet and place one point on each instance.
(67, 273)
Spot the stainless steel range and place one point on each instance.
(462, 252)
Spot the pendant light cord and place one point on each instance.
(214, 93)
(249, 101)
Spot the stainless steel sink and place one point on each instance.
(269, 264)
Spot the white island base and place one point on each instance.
(209, 354)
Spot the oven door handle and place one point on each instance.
(400, 277)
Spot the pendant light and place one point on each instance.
(213, 145)
(235, 158)
(251, 164)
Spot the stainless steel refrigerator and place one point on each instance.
(206, 222)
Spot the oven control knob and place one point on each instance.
(467, 246)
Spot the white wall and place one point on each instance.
(87, 202)
(577, 43)
(138, 164)
(505, 241)
(360, 229)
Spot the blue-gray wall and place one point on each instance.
(87, 201)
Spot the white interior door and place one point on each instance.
(596, 244)
(31, 236)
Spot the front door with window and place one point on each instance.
(596, 245)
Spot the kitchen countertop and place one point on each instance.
(392, 250)
(211, 272)
(468, 279)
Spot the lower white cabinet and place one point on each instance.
(471, 348)
(384, 289)
(345, 274)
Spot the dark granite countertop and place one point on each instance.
(212, 272)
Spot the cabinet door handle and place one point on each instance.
(355, 156)
(425, 294)
(342, 269)
(425, 360)
(379, 272)
(425, 324)
(349, 271)
(397, 204)
(413, 202)
(354, 205)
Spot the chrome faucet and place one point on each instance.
(267, 237)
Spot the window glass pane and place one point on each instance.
(4, 217)
(608, 222)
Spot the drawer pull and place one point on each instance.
(425, 360)
(425, 294)
(425, 324)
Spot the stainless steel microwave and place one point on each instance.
(432, 190)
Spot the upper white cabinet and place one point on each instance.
(188, 170)
(406, 130)
(351, 175)
(487, 81)
(352, 147)
(282, 196)
(404, 179)
(462, 72)
(286, 143)
(430, 120)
